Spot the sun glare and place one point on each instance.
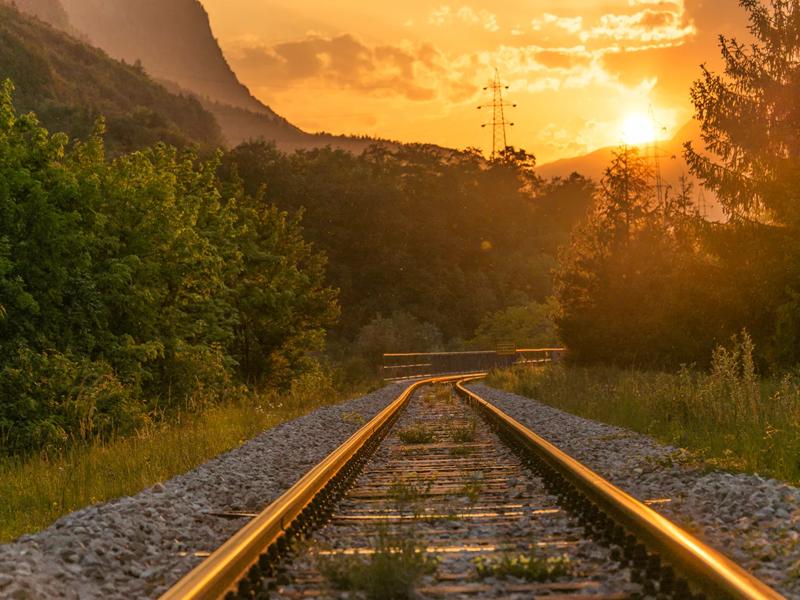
(637, 129)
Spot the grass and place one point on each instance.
(390, 573)
(404, 493)
(463, 433)
(36, 491)
(729, 417)
(416, 434)
(442, 392)
(529, 567)
(460, 451)
(473, 488)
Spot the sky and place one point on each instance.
(583, 74)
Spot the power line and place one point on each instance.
(657, 158)
(498, 122)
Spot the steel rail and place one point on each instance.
(711, 571)
(221, 571)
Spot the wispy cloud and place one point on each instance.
(417, 72)
(448, 15)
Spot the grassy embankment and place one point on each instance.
(729, 417)
(37, 490)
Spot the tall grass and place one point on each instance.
(38, 490)
(729, 416)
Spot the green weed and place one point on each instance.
(529, 567)
(460, 451)
(474, 487)
(390, 573)
(728, 418)
(404, 493)
(36, 491)
(354, 418)
(462, 433)
(416, 434)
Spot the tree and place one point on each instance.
(139, 285)
(749, 118)
(622, 284)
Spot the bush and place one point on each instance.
(529, 326)
(136, 286)
(52, 400)
(400, 332)
(728, 416)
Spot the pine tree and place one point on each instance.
(750, 119)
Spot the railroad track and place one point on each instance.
(443, 492)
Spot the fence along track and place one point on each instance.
(654, 545)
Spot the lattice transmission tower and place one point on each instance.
(498, 122)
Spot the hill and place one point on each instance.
(174, 42)
(70, 85)
(670, 154)
(172, 39)
(49, 11)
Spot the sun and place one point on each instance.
(637, 129)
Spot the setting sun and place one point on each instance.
(637, 129)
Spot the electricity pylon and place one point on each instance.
(498, 122)
(657, 159)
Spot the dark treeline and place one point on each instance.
(421, 240)
(647, 282)
(137, 286)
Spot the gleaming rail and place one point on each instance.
(654, 542)
(410, 365)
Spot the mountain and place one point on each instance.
(593, 165)
(49, 11)
(70, 84)
(174, 42)
(171, 38)
(669, 152)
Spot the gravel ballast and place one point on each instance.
(137, 547)
(753, 520)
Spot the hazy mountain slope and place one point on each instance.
(49, 11)
(173, 40)
(70, 84)
(175, 44)
(670, 155)
(593, 164)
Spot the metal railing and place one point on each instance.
(411, 365)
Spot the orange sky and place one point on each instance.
(414, 70)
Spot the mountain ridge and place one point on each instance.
(70, 85)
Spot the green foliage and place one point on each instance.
(528, 567)
(401, 332)
(70, 85)
(416, 434)
(748, 114)
(420, 230)
(631, 287)
(729, 417)
(390, 573)
(37, 490)
(529, 326)
(134, 286)
(404, 493)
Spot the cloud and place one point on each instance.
(568, 24)
(416, 72)
(449, 15)
(642, 22)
